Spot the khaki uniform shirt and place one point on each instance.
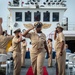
(59, 39)
(3, 42)
(23, 45)
(49, 45)
(16, 46)
(37, 41)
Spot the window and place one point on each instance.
(37, 16)
(15, 1)
(28, 16)
(46, 16)
(18, 16)
(55, 16)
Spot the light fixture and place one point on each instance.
(55, 0)
(16, 24)
(58, 24)
(44, 3)
(37, 6)
(49, 3)
(32, 3)
(46, 0)
(51, 0)
(59, 0)
(38, 0)
(35, 2)
(15, 1)
(53, 3)
(27, 3)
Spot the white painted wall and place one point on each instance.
(69, 13)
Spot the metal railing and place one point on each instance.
(71, 27)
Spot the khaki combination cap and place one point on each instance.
(17, 30)
(38, 24)
(60, 27)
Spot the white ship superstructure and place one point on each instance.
(47, 11)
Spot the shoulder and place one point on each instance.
(61, 33)
(14, 38)
(50, 43)
(43, 34)
(32, 32)
(1, 36)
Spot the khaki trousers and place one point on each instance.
(17, 63)
(37, 60)
(61, 63)
(23, 54)
(50, 60)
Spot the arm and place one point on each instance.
(55, 35)
(26, 32)
(20, 38)
(62, 46)
(50, 49)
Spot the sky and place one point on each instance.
(70, 12)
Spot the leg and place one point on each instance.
(63, 64)
(33, 57)
(40, 61)
(17, 64)
(23, 58)
(50, 60)
(59, 65)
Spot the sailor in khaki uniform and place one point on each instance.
(17, 51)
(60, 51)
(50, 52)
(37, 52)
(3, 40)
(23, 52)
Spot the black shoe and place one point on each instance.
(23, 66)
(49, 66)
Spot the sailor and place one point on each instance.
(3, 40)
(60, 50)
(50, 52)
(23, 52)
(37, 52)
(16, 44)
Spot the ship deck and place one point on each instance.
(51, 71)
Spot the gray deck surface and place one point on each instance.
(51, 71)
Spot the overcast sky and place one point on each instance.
(70, 12)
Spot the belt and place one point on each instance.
(17, 51)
